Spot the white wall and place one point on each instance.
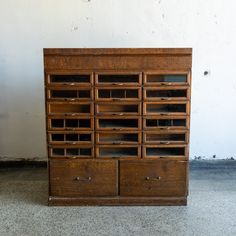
(27, 26)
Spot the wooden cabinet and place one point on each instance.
(118, 125)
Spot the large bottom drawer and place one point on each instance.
(153, 178)
(78, 178)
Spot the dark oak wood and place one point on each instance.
(118, 124)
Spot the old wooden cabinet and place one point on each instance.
(118, 125)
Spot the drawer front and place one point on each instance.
(117, 94)
(118, 79)
(163, 137)
(70, 94)
(167, 79)
(166, 93)
(70, 137)
(165, 151)
(83, 178)
(69, 79)
(118, 137)
(118, 109)
(71, 152)
(153, 178)
(70, 123)
(165, 122)
(118, 124)
(121, 151)
(70, 109)
(166, 108)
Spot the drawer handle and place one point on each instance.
(164, 142)
(71, 142)
(165, 128)
(164, 83)
(118, 143)
(70, 114)
(69, 84)
(117, 129)
(120, 84)
(69, 128)
(164, 114)
(118, 114)
(165, 99)
(116, 99)
(69, 99)
(83, 179)
(153, 178)
(72, 157)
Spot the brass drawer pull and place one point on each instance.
(71, 142)
(165, 83)
(69, 99)
(118, 114)
(83, 179)
(118, 143)
(165, 128)
(164, 142)
(165, 99)
(153, 178)
(120, 84)
(69, 128)
(116, 99)
(117, 129)
(70, 114)
(69, 84)
(72, 157)
(164, 114)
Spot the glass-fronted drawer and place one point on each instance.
(61, 79)
(118, 79)
(166, 79)
(117, 94)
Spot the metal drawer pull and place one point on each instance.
(117, 143)
(70, 114)
(118, 114)
(165, 128)
(117, 129)
(165, 99)
(164, 83)
(164, 142)
(116, 99)
(69, 99)
(69, 128)
(153, 178)
(71, 142)
(117, 84)
(164, 114)
(83, 179)
(72, 157)
(69, 84)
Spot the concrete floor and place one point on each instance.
(211, 209)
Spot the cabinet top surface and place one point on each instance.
(125, 51)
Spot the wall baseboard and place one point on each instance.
(194, 164)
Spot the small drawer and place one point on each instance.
(118, 109)
(70, 123)
(170, 137)
(118, 137)
(70, 94)
(116, 124)
(159, 178)
(69, 152)
(83, 178)
(166, 79)
(118, 79)
(165, 122)
(70, 108)
(117, 94)
(122, 151)
(166, 93)
(69, 79)
(70, 137)
(166, 108)
(165, 151)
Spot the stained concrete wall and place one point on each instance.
(27, 26)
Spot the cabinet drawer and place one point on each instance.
(166, 108)
(70, 94)
(166, 79)
(64, 79)
(81, 178)
(73, 152)
(165, 151)
(153, 178)
(113, 123)
(70, 123)
(70, 137)
(170, 137)
(165, 122)
(118, 137)
(121, 151)
(70, 109)
(166, 93)
(117, 94)
(119, 109)
(118, 79)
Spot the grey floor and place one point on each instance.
(211, 209)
